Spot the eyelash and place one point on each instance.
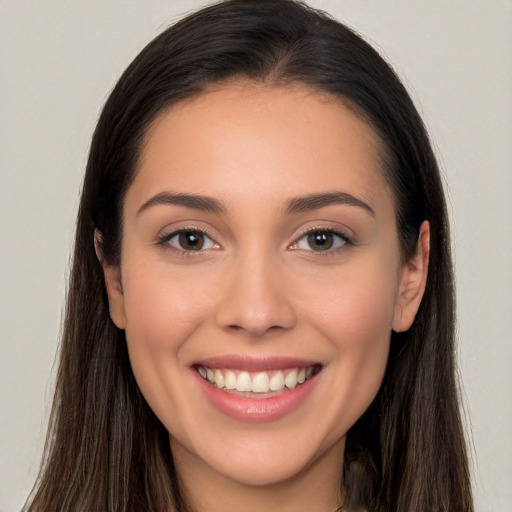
(329, 251)
(164, 241)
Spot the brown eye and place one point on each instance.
(190, 240)
(320, 240)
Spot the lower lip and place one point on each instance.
(256, 410)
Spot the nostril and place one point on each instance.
(254, 331)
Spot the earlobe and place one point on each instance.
(113, 284)
(412, 284)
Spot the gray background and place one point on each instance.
(58, 61)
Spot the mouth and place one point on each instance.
(257, 389)
(257, 384)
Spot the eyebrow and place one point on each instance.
(194, 201)
(299, 204)
(319, 200)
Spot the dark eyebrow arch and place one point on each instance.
(194, 201)
(319, 200)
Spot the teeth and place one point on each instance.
(277, 381)
(291, 380)
(219, 378)
(230, 380)
(261, 383)
(256, 382)
(244, 382)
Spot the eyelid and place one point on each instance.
(168, 233)
(164, 238)
(348, 240)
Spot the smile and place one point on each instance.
(257, 390)
(242, 381)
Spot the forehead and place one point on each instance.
(261, 138)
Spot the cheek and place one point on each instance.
(356, 316)
(163, 308)
(356, 307)
(359, 325)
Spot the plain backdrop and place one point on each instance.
(58, 61)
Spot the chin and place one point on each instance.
(264, 471)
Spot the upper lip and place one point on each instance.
(255, 364)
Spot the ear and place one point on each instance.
(412, 284)
(112, 274)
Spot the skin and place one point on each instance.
(259, 288)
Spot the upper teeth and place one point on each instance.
(256, 382)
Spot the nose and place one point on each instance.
(256, 298)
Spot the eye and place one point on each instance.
(190, 240)
(321, 240)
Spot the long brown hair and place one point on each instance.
(105, 449)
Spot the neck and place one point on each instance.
(315, 488)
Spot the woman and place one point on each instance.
(260, 311)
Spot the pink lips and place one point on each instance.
(258, 409)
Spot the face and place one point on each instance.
(260, 279)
